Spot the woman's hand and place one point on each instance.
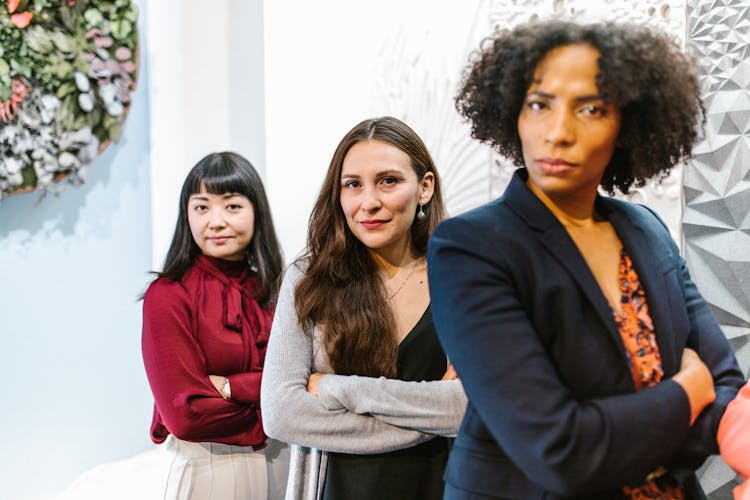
(450, 373)
(695, 378)
(217, 381)
(313, 383)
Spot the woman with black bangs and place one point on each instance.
(593, 366)
(206, 322)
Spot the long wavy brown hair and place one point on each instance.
(341, 291)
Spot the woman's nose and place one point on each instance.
(216, 219)
(560, 128)
(370, 199)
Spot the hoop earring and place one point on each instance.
(420, 214)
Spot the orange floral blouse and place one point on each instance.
(637, 332)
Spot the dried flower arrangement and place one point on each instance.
(67, 70)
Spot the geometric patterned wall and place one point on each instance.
(716, 220)
(717, 179)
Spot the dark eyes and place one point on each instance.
(594, 110)
(588, 109)
(536, 105)
(232, 206)
(388, 181)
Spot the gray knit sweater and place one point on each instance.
(352, 414)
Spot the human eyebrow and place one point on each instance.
(198, 197)
(585, 99)
(390, 173)
(539, 93)
(226, 196)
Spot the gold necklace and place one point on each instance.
(413, 268)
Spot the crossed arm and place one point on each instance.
(568, 445)
(353, 414)
(189, 404)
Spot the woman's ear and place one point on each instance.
(426, 188)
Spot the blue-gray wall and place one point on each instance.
(72, 389)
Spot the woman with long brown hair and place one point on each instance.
(353, 371)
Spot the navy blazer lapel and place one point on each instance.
(644, 251)
(560, 245)
(564, 250)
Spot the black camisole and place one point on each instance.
(414, 473)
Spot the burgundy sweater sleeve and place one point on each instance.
(188, 404)
(245, 387)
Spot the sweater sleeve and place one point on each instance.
(292, 414)
(189, 405)
(245, 387)
(734, 433)
(435, 407)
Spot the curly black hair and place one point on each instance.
(644, 72)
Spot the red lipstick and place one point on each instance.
(372, 224)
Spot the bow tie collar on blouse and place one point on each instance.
(234, 276)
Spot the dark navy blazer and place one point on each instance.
(553, 411)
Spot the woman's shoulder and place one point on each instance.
(290, 277)
(166, 289)
(637, 211)
(641, 216)
(492, 222)
(483, 214)
(296, 269)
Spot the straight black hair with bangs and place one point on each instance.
(220, 173)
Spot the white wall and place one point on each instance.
(322, 67)
(329, 65)
(73, 390)
(207, 95)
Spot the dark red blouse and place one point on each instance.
(208, 323)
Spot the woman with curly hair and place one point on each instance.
(355, 376)
(593, 366)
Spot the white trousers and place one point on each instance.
(214, 471)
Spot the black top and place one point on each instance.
(414, 473)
